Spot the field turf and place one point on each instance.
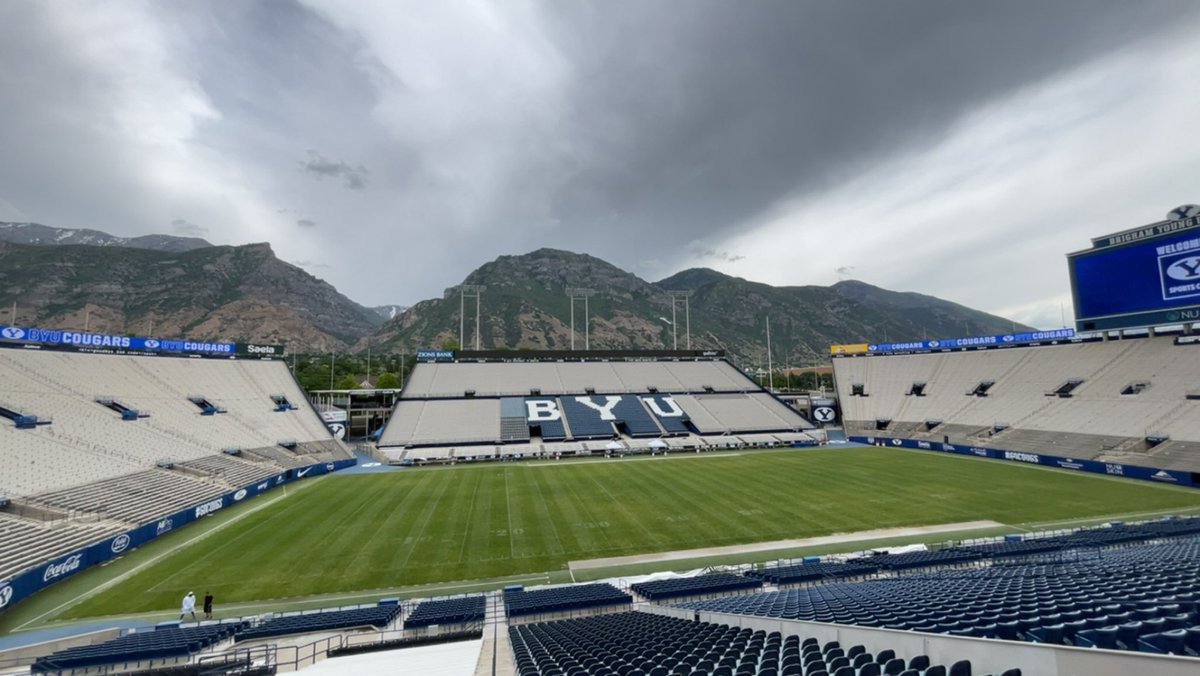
(387, 530)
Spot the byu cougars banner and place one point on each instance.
(973, 341)
(100, 340)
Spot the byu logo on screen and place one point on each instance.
(5, 596)
(13, 333)
(1185, 269)
(823, 414)
(1180, 274)
(120, 543)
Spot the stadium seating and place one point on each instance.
(1127, 390)
(814, 571)
(447, 408)
(88, 441)
(717, 583)
(1107, 597)
(641, 644)
(28, 542)
(561, 378)
(138, 647)
(558, 599)
(378, 616)
(447, 611)
(135, 498)
(586, 422)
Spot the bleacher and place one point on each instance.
(142, 646)
(519, 602)
(569, 378)
(228, 470)
(813, 571)
(700, 585)
(1126, 391)
(447, 611)
(636, 643)
(87, 442)
(451, 411)
(135, 498)
(1059, 598)
(378, 616)
(94, 471)
(28, 542)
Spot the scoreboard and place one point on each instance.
(1148, 276)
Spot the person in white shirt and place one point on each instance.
(189, 606)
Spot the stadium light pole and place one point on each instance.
(676, 296)
(332, 360)
(474, 291)
(575, 293)
(770, 370)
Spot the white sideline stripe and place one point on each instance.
(129, 573)
(838, 538)
(1041, 525)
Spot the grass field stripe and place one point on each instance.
(351, 533)
(174, 548)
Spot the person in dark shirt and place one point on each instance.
(208, 603)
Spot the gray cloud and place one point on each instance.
(188, 229)
(306, 223)
(623, 129)
(702, 252)
(310, 265)
(354, 178)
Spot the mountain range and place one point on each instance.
(176, 286)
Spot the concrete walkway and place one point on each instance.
(837, 538)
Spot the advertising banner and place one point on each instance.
(30, 335)
(849, 348)
(1095, 466)
(972, 341)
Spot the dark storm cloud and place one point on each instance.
(692, 122)
(354, 178)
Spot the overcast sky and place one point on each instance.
(953, 148)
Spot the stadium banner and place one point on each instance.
(257, 350)
(1115, 469)
(849, 348)
(36, 336)
(1145, 282)
(435, 355)
(47, 573)
(972, 341)
(1145, 232)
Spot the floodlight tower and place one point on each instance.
(468, 291)
(676, 296)
(576, 293)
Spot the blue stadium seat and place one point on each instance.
(447, 611)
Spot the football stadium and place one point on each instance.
(1024, 503)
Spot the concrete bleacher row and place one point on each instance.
(512, 451)
(87, 441)
(556, 378)
(28, 542)
(1105, 416)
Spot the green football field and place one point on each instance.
(395, 529)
